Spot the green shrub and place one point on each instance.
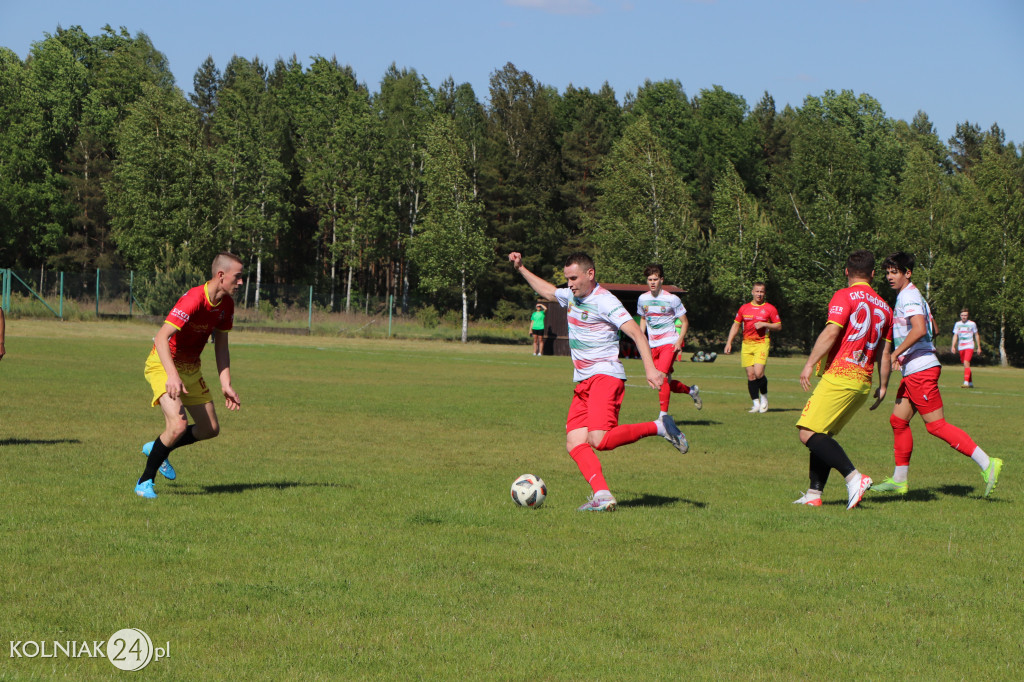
(428, 316)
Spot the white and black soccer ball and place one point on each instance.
(529, 491)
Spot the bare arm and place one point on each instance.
(977, 342)
(175, 387)
(223, 355)
(770, 326)
(884, 370)
(683, 328)
(632, 330)
(732, 335)
(544, 289)
(826, 339)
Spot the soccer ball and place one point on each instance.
(529, 491)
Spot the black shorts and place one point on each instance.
(537, 332)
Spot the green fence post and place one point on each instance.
(310, 323)
(4, 277)
(61, 295)
(97, 292)
(391, 306)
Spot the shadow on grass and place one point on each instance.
(697, 422)
(31, 441)
(234, 488)
(785, 409)
(924, 494)
(913, 495)
(648, 500)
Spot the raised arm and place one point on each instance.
(544, 289)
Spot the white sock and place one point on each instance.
(899, 474)
(980, 458)
(661, 426)
(757, 403)
(812, 494)
(603, 494)
(855, 476)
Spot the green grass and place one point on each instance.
(353, 521)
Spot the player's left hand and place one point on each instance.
(655, 379)
(231, 399)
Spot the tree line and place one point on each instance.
(417, 192)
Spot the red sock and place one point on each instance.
(967, 374)
(903, 440)
(663, 395)
(590, 466)
(957, 438)
(679, 387)
(624, 434)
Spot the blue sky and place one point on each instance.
(955, 60)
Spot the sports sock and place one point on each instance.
(664, 392)
(831, 453)
(187, 438)
(980, 458)
(603, 494)
(899, 474)
(157, 456)
(818, 474)
(624, 434)
(752, 389)
(813, 494)
(902, 440)
(967, 375)
(762, 385)
(956, 437)
(590, 466)
(678, 387)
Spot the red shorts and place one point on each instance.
(922, 390)
(966, 354)
(595, 404)
(664, 357)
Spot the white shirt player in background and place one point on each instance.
(658, 311)
(915, 356)
(966, 342)
(595, 317)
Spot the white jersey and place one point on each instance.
(964, 333)
(594, 324)
(921, 355)
(660, 314)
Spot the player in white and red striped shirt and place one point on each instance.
(595, 317)
(659, 310)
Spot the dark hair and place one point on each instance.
(900, 260)
(221, 260)
(759, 284)
(654, 269)
(861, 263)
(581, 259)
(965, 310)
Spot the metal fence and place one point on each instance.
(125, 293)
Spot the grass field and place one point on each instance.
(353, 521)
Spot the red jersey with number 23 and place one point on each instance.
(867, 322)
(195, 318)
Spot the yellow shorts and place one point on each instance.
(191, 376)
(830, 407)
(754, 353)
